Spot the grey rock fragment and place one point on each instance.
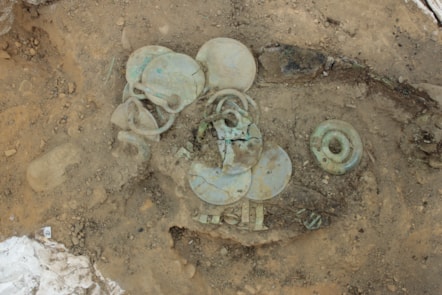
(49, 170)
(289, 63)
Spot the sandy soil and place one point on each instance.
(62, 75)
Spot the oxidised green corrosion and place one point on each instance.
(349, 153)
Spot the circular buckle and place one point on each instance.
(132, 117)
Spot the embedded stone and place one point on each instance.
(288, 63)
(49, 170)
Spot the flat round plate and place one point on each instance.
(271, 175)
(229, 63)
(213, 186)
(174, 74)
(139, 59)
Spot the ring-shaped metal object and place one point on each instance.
(226, 132)
(344, 144)
(244, 112)
(227, 92)
(226, 96)
(129, 91)
(349, 152)
(131, 118)
(164, 101)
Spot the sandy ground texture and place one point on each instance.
(62, 72)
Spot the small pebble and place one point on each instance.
(75, 240)
(190, 270)
(391, 288)
(17, 44)
(10, 152)
(439, 124)
(120, 22)
(434, 36)
(32, 52)
(33, 11)
(71, 87)
(250, 289)
(224, 251)
(4, 55)
(189, 146)
(435, 162)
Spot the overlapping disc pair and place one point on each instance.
(262, 182)
(167, 79)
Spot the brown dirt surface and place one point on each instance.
(62, 73)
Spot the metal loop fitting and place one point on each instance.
(336, 146)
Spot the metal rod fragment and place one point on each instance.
(259, 218)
